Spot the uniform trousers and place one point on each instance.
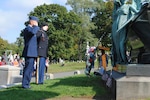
(27, 71)
(42, 65)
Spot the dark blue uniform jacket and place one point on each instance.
(30, 41)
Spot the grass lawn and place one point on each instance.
(69, 66)
(78, 86)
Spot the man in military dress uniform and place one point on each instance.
(30, 50)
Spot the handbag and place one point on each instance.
(109, 81)
(105, 76)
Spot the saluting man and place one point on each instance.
(42, 51)
(30, 50)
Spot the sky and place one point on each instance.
(13, 14)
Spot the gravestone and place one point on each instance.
(7, 73)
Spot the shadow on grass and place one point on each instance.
(17, 93)
(95, 82)
(75, 86)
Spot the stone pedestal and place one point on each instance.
(133, 88)
(77, 72)
(135, 85)
(138, 70)
(6, 74)
(49, 76)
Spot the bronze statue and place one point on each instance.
(127, 28)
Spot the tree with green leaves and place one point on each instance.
(63, 29)
(4, 46)
(19, 43)
(84, 9)
(103, 20)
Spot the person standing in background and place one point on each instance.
(4, 56)
(91, 59)
(47, 65)
(30, 50)
(42, 51)
(104, 60)
(2, 62)
(21, 65)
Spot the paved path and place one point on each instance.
(66, 74)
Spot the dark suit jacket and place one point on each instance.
(42, 43)
(30, 41)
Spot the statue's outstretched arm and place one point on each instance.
(133, 9)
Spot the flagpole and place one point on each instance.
(37, 71)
